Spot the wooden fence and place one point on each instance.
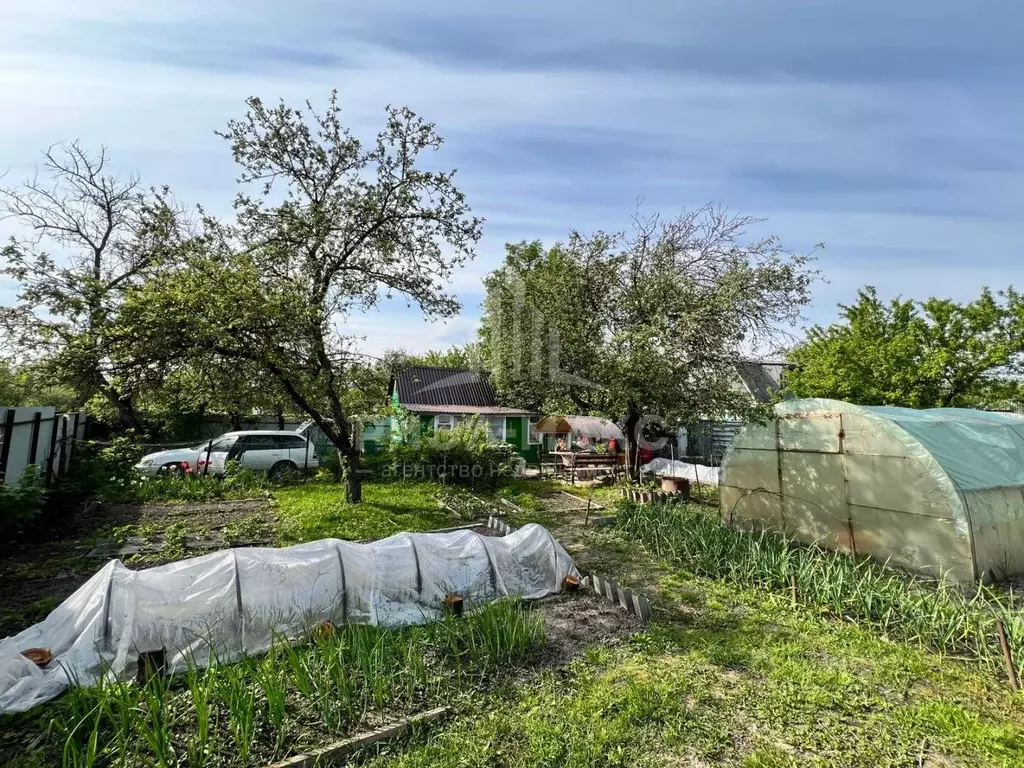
(39, 436)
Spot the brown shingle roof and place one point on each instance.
(448, 390)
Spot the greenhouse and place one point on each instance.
(939, 492)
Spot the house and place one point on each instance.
(442, 397)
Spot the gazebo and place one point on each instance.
(593, 443)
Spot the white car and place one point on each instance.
(274, 452)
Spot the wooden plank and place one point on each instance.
(340, 750)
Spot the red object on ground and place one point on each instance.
(646, 455)
(613, 446)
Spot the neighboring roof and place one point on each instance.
(762, 380)
(977, 449)
(580, 426)
(422, 389)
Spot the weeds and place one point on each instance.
(935, 615)
(324, 687)
(319, 510)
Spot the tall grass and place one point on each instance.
(936, 615)
(249, 713)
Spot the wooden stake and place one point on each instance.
(1011, 669)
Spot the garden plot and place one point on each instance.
(561, 502)
(337, 681)
(171, 531)
(34, 579)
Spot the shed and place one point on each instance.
(938, 492)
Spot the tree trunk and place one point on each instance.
(350, 473)
(633, 443)
(126, 416)
(280, 420)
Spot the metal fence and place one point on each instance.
(38, 436)
(708, 440)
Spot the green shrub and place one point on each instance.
(105, 472)
(465, 454)
(20, 503)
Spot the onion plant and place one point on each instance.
(935, 614)
(330, 682)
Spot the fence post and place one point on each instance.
(74, 439)
(63, 465)
(33, 442)
(53, 450)
(5, 446)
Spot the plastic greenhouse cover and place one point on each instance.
(237, 601)
(977, 449)
(697, 473)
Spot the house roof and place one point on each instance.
(761, 380)
(422, 389)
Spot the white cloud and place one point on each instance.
(540, 152)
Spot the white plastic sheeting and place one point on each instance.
(695, 473)
(236, 602)
(938, 491)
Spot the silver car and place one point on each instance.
(274, 452)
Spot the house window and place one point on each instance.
(496, 424)
(443, 421)
(534, 437)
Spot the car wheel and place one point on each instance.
(281, 470)
(173, 469)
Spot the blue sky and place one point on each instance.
(890, 131)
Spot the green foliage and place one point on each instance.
(525, 501)
(31, 385)
(237, 483)
(107, 473)
(935, 353)
(112, 235)
(465, 356)
(20, 503)
(324, 227)
(465, 454)
(338, 679)
(938, 616)
(319, 510)
(646, 323)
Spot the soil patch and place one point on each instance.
(576, 621)
(562, 501)
(36, 578)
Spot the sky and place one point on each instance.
(889, 131)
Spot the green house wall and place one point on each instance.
(516, 433)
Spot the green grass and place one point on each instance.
(319, 510)
(730, 672)
(754, 691)
(734, 675)
(265, 708)
(936, 615)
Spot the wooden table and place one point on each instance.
(574, 460)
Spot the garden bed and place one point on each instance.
(301, 696)
(35, 578)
